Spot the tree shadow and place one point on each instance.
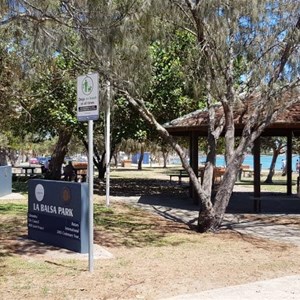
(140, 187)
(22, 245)
(127, 225)
(270, 203)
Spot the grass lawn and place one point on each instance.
(153, 258)
(278, 185)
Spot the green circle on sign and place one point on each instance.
(87, 85)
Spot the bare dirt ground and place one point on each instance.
(153, 258)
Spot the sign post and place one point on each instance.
(107, 143)
(88, 110)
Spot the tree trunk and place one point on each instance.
(212, 210)
(269, 178)
(98, 160)
(141, 158)
(12, 156)
(100, 163)
(165, 158)
(101, 166)
(3, 156)
(115, 156)
(210, 218)
(206, 217)
(59, 154)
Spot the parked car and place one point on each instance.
(33, 161)
(43, 160)
(69, 158)
(82, 159)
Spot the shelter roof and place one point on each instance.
(197, 121)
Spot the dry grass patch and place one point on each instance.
(153, 258)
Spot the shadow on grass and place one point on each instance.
(138, 187)
(274, 182)
(20, 186)
(13, 230)
(125, 225)
(120, 225)
(128, 226)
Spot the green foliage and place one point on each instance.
(9, 75)
(51, 104)
(273, 144)
(121, 36)
(170, 94)
(126, 123)
(296, 145)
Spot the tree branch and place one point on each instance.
(290, 46)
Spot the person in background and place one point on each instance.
(45, 166)
(283, 167)
(69, 172)
(297, 166)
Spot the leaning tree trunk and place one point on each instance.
(269, 178)
(59, 154)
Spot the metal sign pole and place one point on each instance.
(91, 194)
(107, 144)
(88, 110)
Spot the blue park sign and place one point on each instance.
(58, 214)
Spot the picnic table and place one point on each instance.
(246, 171)
(180, 174)
(80, 169)
(218, 174)
(26, 170)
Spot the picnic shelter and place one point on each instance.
(287, 124)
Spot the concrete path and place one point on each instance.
(181, 209)
(13, 196)
(285, 288)
(288, 233)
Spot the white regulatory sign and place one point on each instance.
(88, 97)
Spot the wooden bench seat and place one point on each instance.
(218, 174)
(180, 174)
(245, 171)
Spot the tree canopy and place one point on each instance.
(239, 50)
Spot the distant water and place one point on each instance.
(265, 161)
